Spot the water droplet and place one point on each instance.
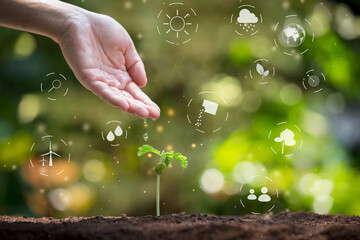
(145, 121)
(110, 136)
(118, 131)
(146, 137)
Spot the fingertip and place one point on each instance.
(154, 113)
(138, 110)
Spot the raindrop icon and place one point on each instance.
(110, 136)
(146, 137)
(118, 131)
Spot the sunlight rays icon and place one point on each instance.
(177, 24)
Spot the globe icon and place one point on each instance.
(293, 35)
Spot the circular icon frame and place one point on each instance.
(284, 46)
(50, 77)
(208, 106)
(267, 203)
(177, 23)
(313, 79)
(246, 20)
(117, 132)
(50, 153)
(286, 138)
(262, 71)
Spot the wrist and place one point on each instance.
(65, 16)
(47, 18)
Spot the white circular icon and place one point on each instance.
(291, 35)
(246, 21)
(285, 138)
(50, 155)
(52, 86)
(261, 71)
(207, 112)
(313, 81)
(177, 23)
(114, 133)
(258, 195)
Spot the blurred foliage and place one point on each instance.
(322, 176)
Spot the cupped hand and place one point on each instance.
(104, 59)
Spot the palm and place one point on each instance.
(104, 59)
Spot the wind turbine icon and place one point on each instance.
(50, 153)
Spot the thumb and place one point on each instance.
(135, 67)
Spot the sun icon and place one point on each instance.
(176, 23)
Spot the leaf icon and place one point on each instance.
(260, 69)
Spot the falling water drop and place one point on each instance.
(146, 137)
(145, 121)
(118, 131)
(110, 136)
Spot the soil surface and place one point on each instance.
(300, 225)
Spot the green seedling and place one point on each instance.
(165, 161)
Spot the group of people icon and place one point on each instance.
(264, 197)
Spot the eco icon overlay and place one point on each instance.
(314, 81)
(207, 113)
(177, 23)
(291, 35)
(261, 72)
(53, 86)
(114, 133)
(258, 195)
(246, 21)
(285, 138)
(50, 155)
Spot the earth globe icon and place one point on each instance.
(293, 35)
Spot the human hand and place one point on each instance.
(104, 59)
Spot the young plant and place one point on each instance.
(165, 161)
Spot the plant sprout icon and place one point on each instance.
(287, 139)
(260, 69)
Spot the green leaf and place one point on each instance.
(182, 160)
(159, 168)
(167, 157)
(146, 149)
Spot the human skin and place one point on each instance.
(97, 48)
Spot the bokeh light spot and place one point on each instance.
(212, 181)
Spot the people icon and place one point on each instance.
(252, 196)
(264, 197)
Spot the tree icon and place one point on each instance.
(287, 139)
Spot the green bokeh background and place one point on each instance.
(322, 176)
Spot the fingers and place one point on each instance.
(118, 100)
(139, 95)
(103, 91)
(135, 66)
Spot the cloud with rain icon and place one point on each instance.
(247, 20)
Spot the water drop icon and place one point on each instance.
(146, 137)
(118, 131)
(110, 136)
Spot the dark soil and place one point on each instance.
(185, 227)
